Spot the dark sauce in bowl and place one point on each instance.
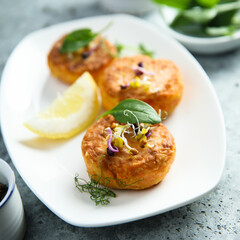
(3, 191)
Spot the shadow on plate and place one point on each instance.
(43, 143)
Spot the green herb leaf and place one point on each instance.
(119, 47)
(143, 50)
(200, 15)
(204, 18)
(77, 39)
(80, 38)
(182, 4)
(185, 26)
(207, 3)
(140, 49)
(221, 31)
(99, 194)
(134, 111)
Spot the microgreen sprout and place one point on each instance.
(140, 132)
(111, 148)
(86, 54)
(126, 111)
(140, 70)
(137, 82)
(125, 86)
(162, 114)
(153, 143)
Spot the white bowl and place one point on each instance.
(12, 220)
(201, 45)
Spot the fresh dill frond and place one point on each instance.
(98, 193)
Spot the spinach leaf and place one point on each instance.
(205, 18)
(221, 31)
(226, 14)
(207, 3)
(132, 111)
(186, 4)
(223, 19)
(185, 26)
(200, 15)
(183, 4)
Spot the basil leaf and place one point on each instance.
(129, 109)
(77, 39)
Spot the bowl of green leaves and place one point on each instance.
(203, 26)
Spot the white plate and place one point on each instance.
(207, 45)
(48, 166)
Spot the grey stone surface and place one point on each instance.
(215, 216)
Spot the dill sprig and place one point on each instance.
(98, 193)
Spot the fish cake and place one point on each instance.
(142, 168)
(157, 82)
(68, 67)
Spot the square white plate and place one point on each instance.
(48, 167)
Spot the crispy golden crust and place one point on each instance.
(140, 171)
(166, 85)
(68, 67)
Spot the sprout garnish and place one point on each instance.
(125, 112)
(113, 149)
(139, 131)
(140, 70)
(137, 82)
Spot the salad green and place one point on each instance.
(205, 18)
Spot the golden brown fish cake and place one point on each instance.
(69, 66)
(143, 170)
(164, 86)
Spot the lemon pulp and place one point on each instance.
(70, 113)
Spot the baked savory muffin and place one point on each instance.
(128, 156)
(157, 82)
(68, 66)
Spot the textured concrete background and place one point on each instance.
(215, 216)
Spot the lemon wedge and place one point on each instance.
(70, 113)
